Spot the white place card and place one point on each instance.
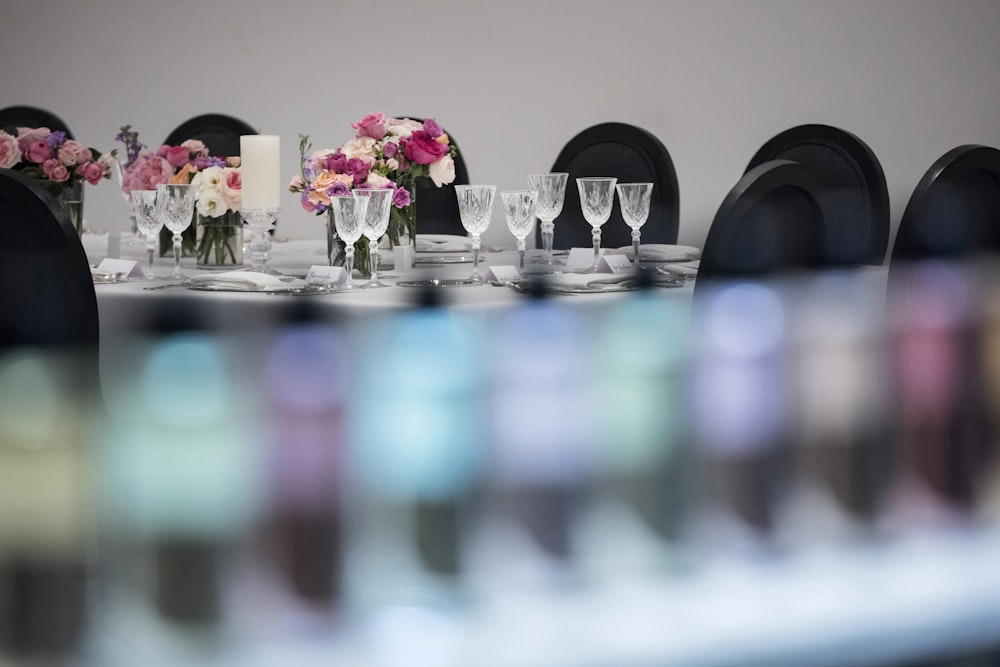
(615, 264)
(503, 273)
(326, 276)
(581, 258)
(129, 268)
(402, 257)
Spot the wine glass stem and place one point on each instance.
(259, 250)
(520, 259)
(475, 259)
(178, 239)
(150, 254)
(548, 232)
(373, 262)
(635, 247)
(596, 234)
(349, 264)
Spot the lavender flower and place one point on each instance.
(55, 140)
(338, 189)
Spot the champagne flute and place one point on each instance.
(148, 223)
(175, 207)
(551, 188)
(349, 218)
(634, 200)
(597, 196)
(519, 209)
(475, 206)
(376, 222)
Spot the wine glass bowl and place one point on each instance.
(375, 225)
(475, 207)
(551, 189)
(175, 208)
(597, 197)
(634, 199)
(519, 209)
(349, 212)
(148, 223)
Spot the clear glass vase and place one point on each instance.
(219, 240)
(403, 221)
(71, 201)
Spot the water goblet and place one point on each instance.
(519, 209)
(148, 223)
(376, 222)
(551, 188)
(349, 218)
(175, 207)
(634, 200)
(475, 207)
(597, 196)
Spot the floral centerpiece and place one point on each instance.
(144, 169)
(218, 195)
(385, 152)
(61, 165)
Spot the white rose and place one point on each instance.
(211, 204)
(442, 172)
(403, 127)
(208, 179)
(377, 180)
(361, 147)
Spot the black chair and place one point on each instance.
(854, 197)
(769, 224)
(631, 154)
(220, 133)
(954, 211)
(12, 118)
(437, 208)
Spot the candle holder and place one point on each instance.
(260, 221)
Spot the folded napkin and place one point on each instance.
(248, 280)
(443, 243)
(659, 252)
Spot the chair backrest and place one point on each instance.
(12, 118)
(770, 223)
(219, 132)
(437, 208)
(954, 211)
(632, 155)
(46, 289)
(854, 197)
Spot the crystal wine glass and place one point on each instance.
(376, 222)
(349, 218)
(149, 224)
(134, 231)
(634, 200)
(475, 206)
(597, 196)
(519, 209)
(175, 207)
(551, 188)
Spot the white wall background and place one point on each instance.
(514, 80)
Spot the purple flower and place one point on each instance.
(390, 149)
(55, 140)
(204, 162)
(401, 198)
(432, 128)
(338, 189)
(337, 163)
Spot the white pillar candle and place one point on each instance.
(260, 161)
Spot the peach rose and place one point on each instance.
(442, 172)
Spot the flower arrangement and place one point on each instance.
(384, 152)
(145, 169)
(218, 195)
(55, 161)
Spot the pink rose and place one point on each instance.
(297, 184)
(92, 172)
(73, 152)
(38, 152)
(29, 135)
(423, 149)
(373, 125)
(10, 151)
(195, 147)
(178, 156)
(231, 188)
(146, 173)
(55, 171)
